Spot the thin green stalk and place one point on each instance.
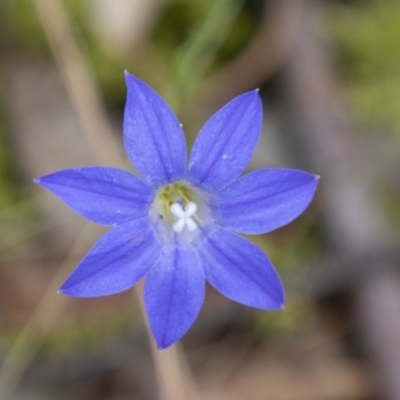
(194, 59)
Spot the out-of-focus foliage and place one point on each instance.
(21, 28)
(160, 59)
(181, 18)
(291, 249)
(299, 315)
(6, 185)
(366, 36)
(224, 28)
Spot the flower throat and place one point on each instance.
(175, 202)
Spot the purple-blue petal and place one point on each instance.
(153, 137)
(226, 143)
(264, 200)
(104, 195)
(174, 293)
(240, 270)
(116, 262)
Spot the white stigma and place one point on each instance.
(184, 216)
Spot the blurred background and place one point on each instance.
(329, 76)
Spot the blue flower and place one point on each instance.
(178, 225)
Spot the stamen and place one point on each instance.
(168, 212)
(184, 216)
(183, 196)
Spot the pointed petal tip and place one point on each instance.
(130, 78)
(251, 95)
(254, 97)
(133, 80)
(64, 290)
(278, 306)
(280, 302)
(71, 292)
(163, 346)
(255, 93)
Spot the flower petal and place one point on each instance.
(174, 293)
(240, 270)
(226, 143)
(154, 140)
(264, 200)
(116, 262)
(104, 195)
